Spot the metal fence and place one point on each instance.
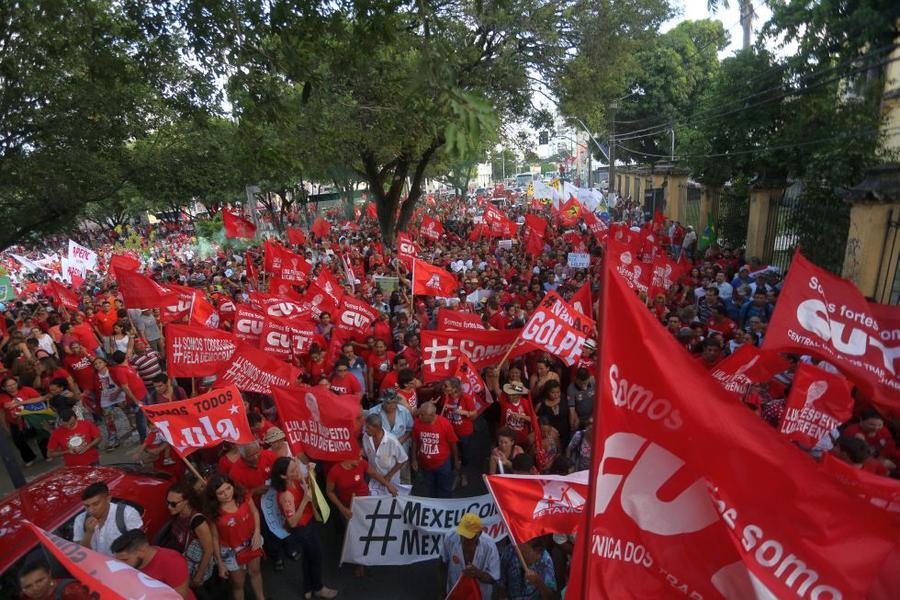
(690, 200)
(654, 200)
(731, 210)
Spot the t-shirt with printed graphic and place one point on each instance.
(433, 441)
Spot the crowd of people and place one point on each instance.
(73, 380)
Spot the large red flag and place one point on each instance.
(356, 317)
(64, 295)
(746, 366)
(286, 339)
(465, 588)
(193, 351)
(535, 505)
(570, 212)
(454, 320)
(252, 370)
(431, 229)
(535, 227)
(178, 308)
(818, 403)
(320, 228)
(598, 227)
(284, 264)
(248, 324)
(237, 227)
(319, 423)
(821, 314)
(429, 280)
(484, 348)
(296, 236)
(105, 577)
(693, 492)
(203, 421)
(328, 283)
(557, 328)
(407, 251)
(139, 291)
(472, 383)
(883, 492)
(203, 313)
(319, 301)
(278, 306)
(126, 262)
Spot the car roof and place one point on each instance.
(48, 502)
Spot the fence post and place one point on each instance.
(764, 198)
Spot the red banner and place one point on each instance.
(105, 577)
(202, 312)
(429, 280)
(197, 351)
(280, 307)
(879, 491)
(328, 283)
(748, 365)
(236, 227)
(665, 273)
(178, 309)
(139, 291)
(440, 349)
(202, 422)
(296, 236)
(65, 297)
(284, 264)
(454, 320)
(286, 339)
(124, 261)
(535, 505)
(472, 383)
(431, 229)
(598, 227)
(318, 422)
(253, 370)
(356, 316)
(248, 324)
(557, 328)
(624, 261)
(821, 314)
(819, 401)
(695, 494)
(407, 250)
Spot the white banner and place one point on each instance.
(78, 253)
(579, 260)
(407, 529)
(505, 244)
(68, 267)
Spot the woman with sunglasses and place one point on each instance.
(191, 535)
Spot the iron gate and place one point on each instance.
(654, 199)
(690, 200)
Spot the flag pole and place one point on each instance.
(190, 466)
(515, 543)
(508, 352)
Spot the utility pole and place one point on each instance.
(612, 147)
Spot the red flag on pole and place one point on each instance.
(252, 370)
(535, 505)
(248, 324)
(139, 291)
(64, 295)
(583, 301)
(318, 422)
(465, 588)
(105, 577)
(203, 421)
(356, 317)
(431, 229)
(124, 261)
(484, 348)
(429, 280)
(570, 212)
(818, 403)
(320, 228)
(746, 366)
(371, 211)
(193, 351)
(202, 312)
(237, 227)
(823, 315)
(296, 236)
(407, 250)
(557, 328)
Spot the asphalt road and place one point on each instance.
(407, 582)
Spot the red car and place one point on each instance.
(53, 500)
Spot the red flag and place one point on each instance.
(286, 339)
(203, 421)
(823, 315)
(105, 577)
(320, 228)
(472, 383)
(583, 302)
(407, 250)
(139, 291)
(465, 588)
(296, 236)
(658, 218)
(431, 229)
(624, 262)
(64, 295)
(371, 211)
(535, 225)
(557, 328)
(252, 272)
(534, 245)
(429, 280)
(318, 302)
(248, 324)
(253, 370)
(882, 492)
(126, 262)
(318, 422)
(570, 212)
(748, 365)
(356, 317)
(819, 401)
(202, 312)
(237, 227)
(284, 264)
(703, 494)
(278, 306)
(453, 320)
(178, 309)
(535, 505)
(665, 272)
(598, 227)
(477, 232)
(197, 351)
(484, 348)
(328, 283)
(284, 288)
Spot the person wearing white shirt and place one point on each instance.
(103, 521)
(386, 457)
(467, 551)
(395, 417)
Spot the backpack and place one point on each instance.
(120, 518)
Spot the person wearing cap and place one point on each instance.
(466, 552)
(395, 417)
(274, 441)
(514, 412)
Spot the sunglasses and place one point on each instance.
(174, 504)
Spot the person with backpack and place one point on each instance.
(103, 520)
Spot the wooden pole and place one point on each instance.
(190, 466)
(515, 544)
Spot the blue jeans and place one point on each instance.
(140, 419)
(439, 481)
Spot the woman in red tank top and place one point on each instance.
(290, 478)
(236, 535)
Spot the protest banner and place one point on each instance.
(73, 272)
(7, 291)
(104, 577)
(194, 351)
(64, 295)
(203, 421)
(453, 320)
(286, 339)
(818, 403)
(248, 324)
(402, 530)
(86, 256)
(318, 422)
(281, 307)
(484, 348)
(356, 317)
(556, 327)
(386, 284)
(505, 244)
(746, 366)
(252, 370)
(535, 505)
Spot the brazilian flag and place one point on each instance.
(710, 235)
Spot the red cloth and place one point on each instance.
(235, 529)
(169, 567)
(346, 384)
(81, 369)
(349, 482)
(433, 441)
(125, 374)
(515, 417)
(86, 432)
(253, 477)
(462, 426)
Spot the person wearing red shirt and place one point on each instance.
(412, 351)
(79, 364)
(434, 451)
(162, 564)
(252, 471)
(719, 322)
(315, 366)
(346, 480)
(379, 362)
(514, 412)
(390, 380)
(76, 441)
(161, 452)
(712, 354)
(343, 382)
(127, 378)
(459, 408)
(501, 319)
(259, 425)
(13, 398)
(105, 318)
(872, 431)
(236, 533)
(37, 583)
(84, 333)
